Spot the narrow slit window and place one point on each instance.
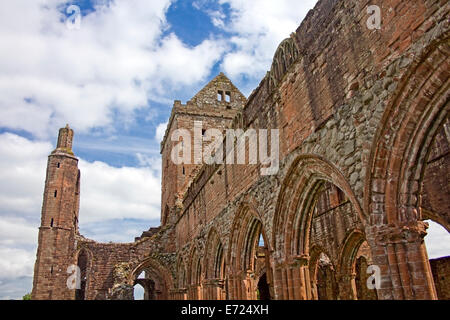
(51, 223)
(59, 165)
(56, 193)
(184, 171)
(228, 96)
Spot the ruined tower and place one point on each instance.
(59, 222)
(216, 105)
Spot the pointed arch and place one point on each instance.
(214, 256)
(157, 274)
(393, 191)
(297, 199)
(244, 252)
(84, 258)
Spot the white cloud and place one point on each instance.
(115, 62)
(18, 232)
(258, 27)
(118, 193)
(16, 263)
(161, 131)
(437, 241)
(116, 203)
(22, 175)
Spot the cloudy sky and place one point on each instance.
(113, 77)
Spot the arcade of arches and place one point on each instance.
(363, 118)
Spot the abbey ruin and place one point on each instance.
(363, 118)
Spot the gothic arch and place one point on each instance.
(405, 134)
(181, 274)
(329, 275)
(214, 256)
(347, 261)
(402, 143)
(83, 259)
(214, 264)
(296, 200)
(246, 230)
(157, 273)
(195, 274)
(307, 180)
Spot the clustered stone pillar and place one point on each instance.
(292, 281)
(178, 294)
(347, 286)
(213, 289)
(399, 252)
(195, 292)
(235, 287)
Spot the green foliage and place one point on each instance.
(27, 296)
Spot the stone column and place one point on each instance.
(399, 252)
(347, 286)
(301, 280)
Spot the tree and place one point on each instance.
(27, 296)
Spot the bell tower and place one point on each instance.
(214, 106)
(59, 222)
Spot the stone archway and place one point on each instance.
(398, 160)
(315, 204)
(84, 263)
(245, 254)
(195, 275)
(157, 280)
(215, 279)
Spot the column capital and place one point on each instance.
(301, 260)
(406, 233)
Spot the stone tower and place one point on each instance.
(216, 105)
(59, 222)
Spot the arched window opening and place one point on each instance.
(83, 262)
(139, 292)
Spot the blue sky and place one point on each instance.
(114, 81)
